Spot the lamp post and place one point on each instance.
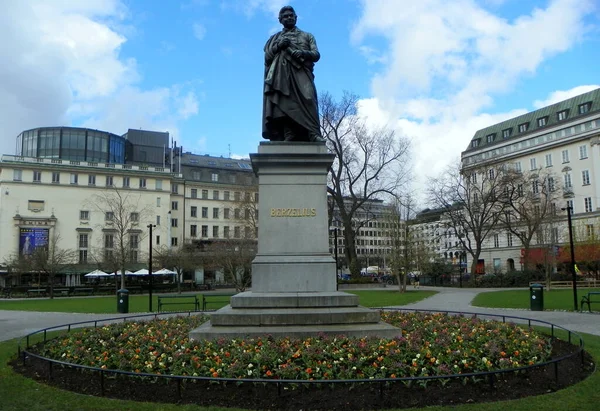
(150, 226)
(573, 273)
(335, 250)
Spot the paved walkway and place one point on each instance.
(15, 324)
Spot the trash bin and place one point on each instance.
(123, 301)
(536, 297)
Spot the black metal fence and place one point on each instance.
(376, 386)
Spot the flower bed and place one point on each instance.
(431, 344)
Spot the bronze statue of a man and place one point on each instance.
(290, 107)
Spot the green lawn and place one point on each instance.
(19, 393)
(553, 300)
(139, 303)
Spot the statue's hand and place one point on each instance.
(297, 54)
(284, 43)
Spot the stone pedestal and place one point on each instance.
(293, 275)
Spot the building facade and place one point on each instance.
(54, 198)
(561, 141)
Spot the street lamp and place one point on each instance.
(569, 210)
(150, 226)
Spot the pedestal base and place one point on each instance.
(295, 315)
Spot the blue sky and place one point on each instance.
(434, 70)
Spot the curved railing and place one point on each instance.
(491, 376)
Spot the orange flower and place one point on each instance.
(215, 374)
(269, 373)
(309, 370)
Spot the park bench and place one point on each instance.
(62, 291)
(593, 297)
(215, 298)
(178, 300)
(80, 290)
(36, 291)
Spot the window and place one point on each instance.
(523, 127)
(174, 188)
(565, 156)
(554, 235)
(533, 164)
(561, 115)
(196, 175)
(109, 181)
(496, 241)
(158, 201)
(173, 241)
(491, 173)
(214, 177)
(541, 122)
(84, 215)
(174, 205)
(194, 211)
(37, 176)
(518, 167)
(204, 212)
(17, 175)
(226, 232)
(109, 216)
(589, 230)
(125, 182)
(588, 204)
(506, 133)
(552, 208)
(158, 184)
(509, 239)
(236, 213)
(215, 194)
(133, 247)
(193, 230)
(548, 160)
(585, 177)
(490, 138)
(215, 231)
(204, 231)
(134, 217)
(157, 240)
(584, 108)
(226, 213)
(194, 193)
(474, 177)
(205, 194)
(173, 222)
(582, 152)
(535, 187)
(142, 183)
(83, 248)
(226, 195)
(92, 180)
(215, 212)
(74, 179)
(474, 144)
(568, 183)
(551, 185)
(520, 190)
(237, 232)
(571, 205)
(237, 196)
(109, 241)
(56, 177)
(157, 220)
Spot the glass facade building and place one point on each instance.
(72, 143)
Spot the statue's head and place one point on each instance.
(287, 17)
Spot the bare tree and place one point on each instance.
(235, 257)
(123, 214)
(370, 163)
(179, 259)
(529, 205)
(48, 261)
(472, 203)
(401, 237)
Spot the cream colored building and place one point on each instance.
(563, 140)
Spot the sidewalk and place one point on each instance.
(15, 324)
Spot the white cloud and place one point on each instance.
(250, 7)
(60, 64)
(199, 31)
(443, 63)
(560, 95)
